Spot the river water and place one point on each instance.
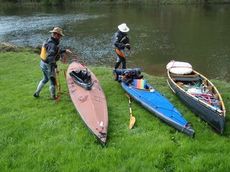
(196, 34)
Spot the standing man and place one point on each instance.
(50, 54)
(121, 41)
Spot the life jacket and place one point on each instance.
(119, 38)
(43, 54)
(125, 39)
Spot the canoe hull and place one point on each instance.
(212, 115)
(91, 104)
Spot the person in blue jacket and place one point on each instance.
(52, 53)
(121, 42)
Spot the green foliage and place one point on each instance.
(62, 2)
(52, 2)
(42, 135)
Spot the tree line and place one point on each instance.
(51, 2)
(62, 2)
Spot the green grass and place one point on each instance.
(42, 135)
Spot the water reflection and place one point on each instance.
(197, 34)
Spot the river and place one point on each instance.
(199, 34)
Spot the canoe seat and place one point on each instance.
(187, 77)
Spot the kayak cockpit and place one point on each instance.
(82, 78)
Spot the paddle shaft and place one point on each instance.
(130, 109)
(132, 118)
(58, 84)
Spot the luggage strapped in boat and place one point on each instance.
(82, 78)
(127, 75)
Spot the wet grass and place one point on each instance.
(42, 135)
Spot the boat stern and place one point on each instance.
(189, 130)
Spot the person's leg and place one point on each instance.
(52, 88)
(123, 62)
(52, 78)
(43, 81)
(118, 62)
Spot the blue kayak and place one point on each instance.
(151, 99)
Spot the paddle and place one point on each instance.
(58, 85)
(132, 118)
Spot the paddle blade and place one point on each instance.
(132, 121)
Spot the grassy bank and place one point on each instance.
(41, 135)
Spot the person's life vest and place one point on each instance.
(43, 54)
(119, 40)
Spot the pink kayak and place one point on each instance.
(89, 99)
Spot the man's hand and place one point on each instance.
(128, 46)
(68, 51)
